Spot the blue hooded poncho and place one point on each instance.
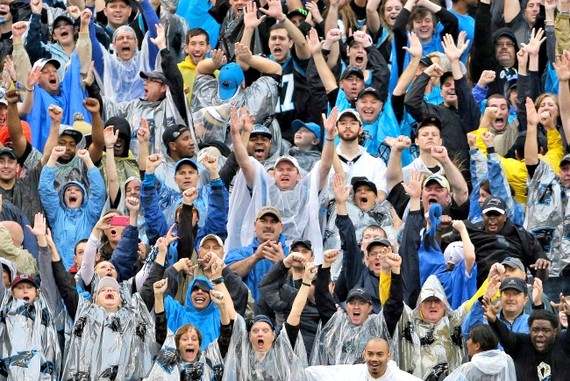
(206, 320)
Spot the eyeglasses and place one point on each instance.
(380, 251)
(128, 38)
(504, 44)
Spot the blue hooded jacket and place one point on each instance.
(69, 226)
(207, 320)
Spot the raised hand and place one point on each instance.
(143, 133)
(488, 139)
(562, 66)
(92, 105)
(537, 290)
(414, 186)
(133, 204)
(452, 51)
(329, 257)
(294, 259)
(274, 10)
(471, 140)
(189, 196)
(55, 113)
(362, 37)
(487, 76)
(83, 154)
(439, 153)
(434, 71)
(250, 19)
(110, 136)
(160, 39)
(39, 229)
(159, 287)
(330, 123)
(341, 191)
(12, 96)
(211, 163)
(313, 42)
(57, 152)
(415, 49)
(536, 39)
(532, 116)
(152, 162)
(219, 58)
(310, 272)
(242, 52)
(74, 11)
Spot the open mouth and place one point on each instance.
(190, 351)
(3, 13)
(53, 81)
(109, 273)
(493, 227)
(260, 343)
(200, 299)
(118, 146)
(126, 49)
(277, 50)
(64, 34)
(27, 298)
(72, 199)
(432, 200)
(109, 297)
(359, 59)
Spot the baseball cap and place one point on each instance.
(495, 204)
(441, 180)
(513, 262)
(426, 61)
(454, 253)
(229, 79)
(378, 241)
(110, 1)
(359, 293)
(4, 101)
(262, 319)
(349, 111)
(108, 282)
(565, 160)
(297, 12)
(290, 159)
(514, 284)
(24, 278)
(268, 210)
(202, 285)
(430, 121)
(368, 90)
(444, 76)
(155, 74)
(313, 127)
(65, 18)
(68, 130)
(259, 129)
(212, 237)
(505, 32)
(185, 161)
(302, 242)
(44, 61)
(8, 151)
(173, 133)
(361, 180)
(352, 70)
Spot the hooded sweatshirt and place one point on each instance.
(486, 366)
(71, 225)
(206, 320)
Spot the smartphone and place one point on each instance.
(120, 221)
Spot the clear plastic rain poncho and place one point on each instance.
(493, 365)
(281, 363)
(116, 346)
(168, 366)
(341, 342)
(299, 208)
(29, 346)
(121, 80)
(426, 349)
(260, 99)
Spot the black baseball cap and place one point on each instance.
(173, 133)
(514, 284)
(494, 204)
(430, 121)
(352, 70)
(155, 74)
(302, 242)
(368, 90)
(361, 180)
(359, 293)
(8, 151)
(378, 241)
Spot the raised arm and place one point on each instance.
(236, 124)
(511, 9)
(415, 51)
(98, 142)
(275, 10)
(259, 63)
(373, 17)
(562, 66)
(294, 317)
(56, 114)
(110, 136)
(327, 156)
(19, 142)
(210, 65)
(394, 173)
(453, 175)
(531, 144)
(325, 73)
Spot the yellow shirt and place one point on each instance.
(515, 170)
(188, 70)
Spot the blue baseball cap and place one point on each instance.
(230, 79)
(185, 161)
(313, 127)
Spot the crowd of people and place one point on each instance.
(285, 190)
